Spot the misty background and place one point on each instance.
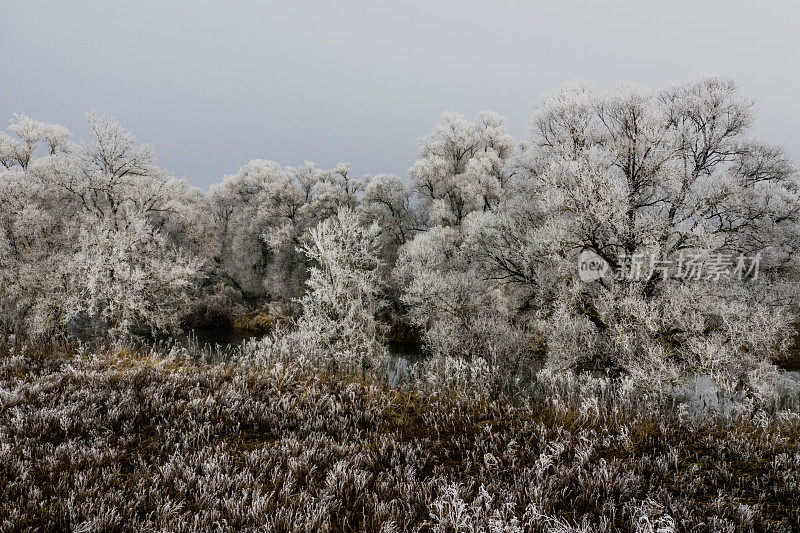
(213, 85)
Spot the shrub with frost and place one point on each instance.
(344, 293)
(129, 277)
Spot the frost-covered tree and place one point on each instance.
(18, 146)
(54, 191)
(33, 218)
(388, 201)
(130, 278)
(259, 199)
(262, 213)
(463, 167)
(344, 295)
(113, 176)
(442, 291)
(460, 312)
(665, 175)
(463, 171)
(329, 191)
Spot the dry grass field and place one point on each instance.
(127, 442)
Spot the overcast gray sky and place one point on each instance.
(214, 84)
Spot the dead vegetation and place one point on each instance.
(125, 441)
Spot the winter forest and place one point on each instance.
(590, 328)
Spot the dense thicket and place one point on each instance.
(477, 250)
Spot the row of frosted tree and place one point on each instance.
(476, 249)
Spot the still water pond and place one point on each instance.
(218, 341)
(222, 340)
(216, 344)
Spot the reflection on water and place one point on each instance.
(218, 344)
(209, 344)
(792, 359)
(410, 351)
(221, 343)
(225, 338)
(403, 355)
(701, 393)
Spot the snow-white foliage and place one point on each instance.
(262, 213)
(663, 173)
(344, 294)
(130, 278)
(53, 206)
(463, 172)
(477, 251)
(18, 147)
(463, 166)
(388, 201)
(462, 314)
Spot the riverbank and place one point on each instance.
(132, 442)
